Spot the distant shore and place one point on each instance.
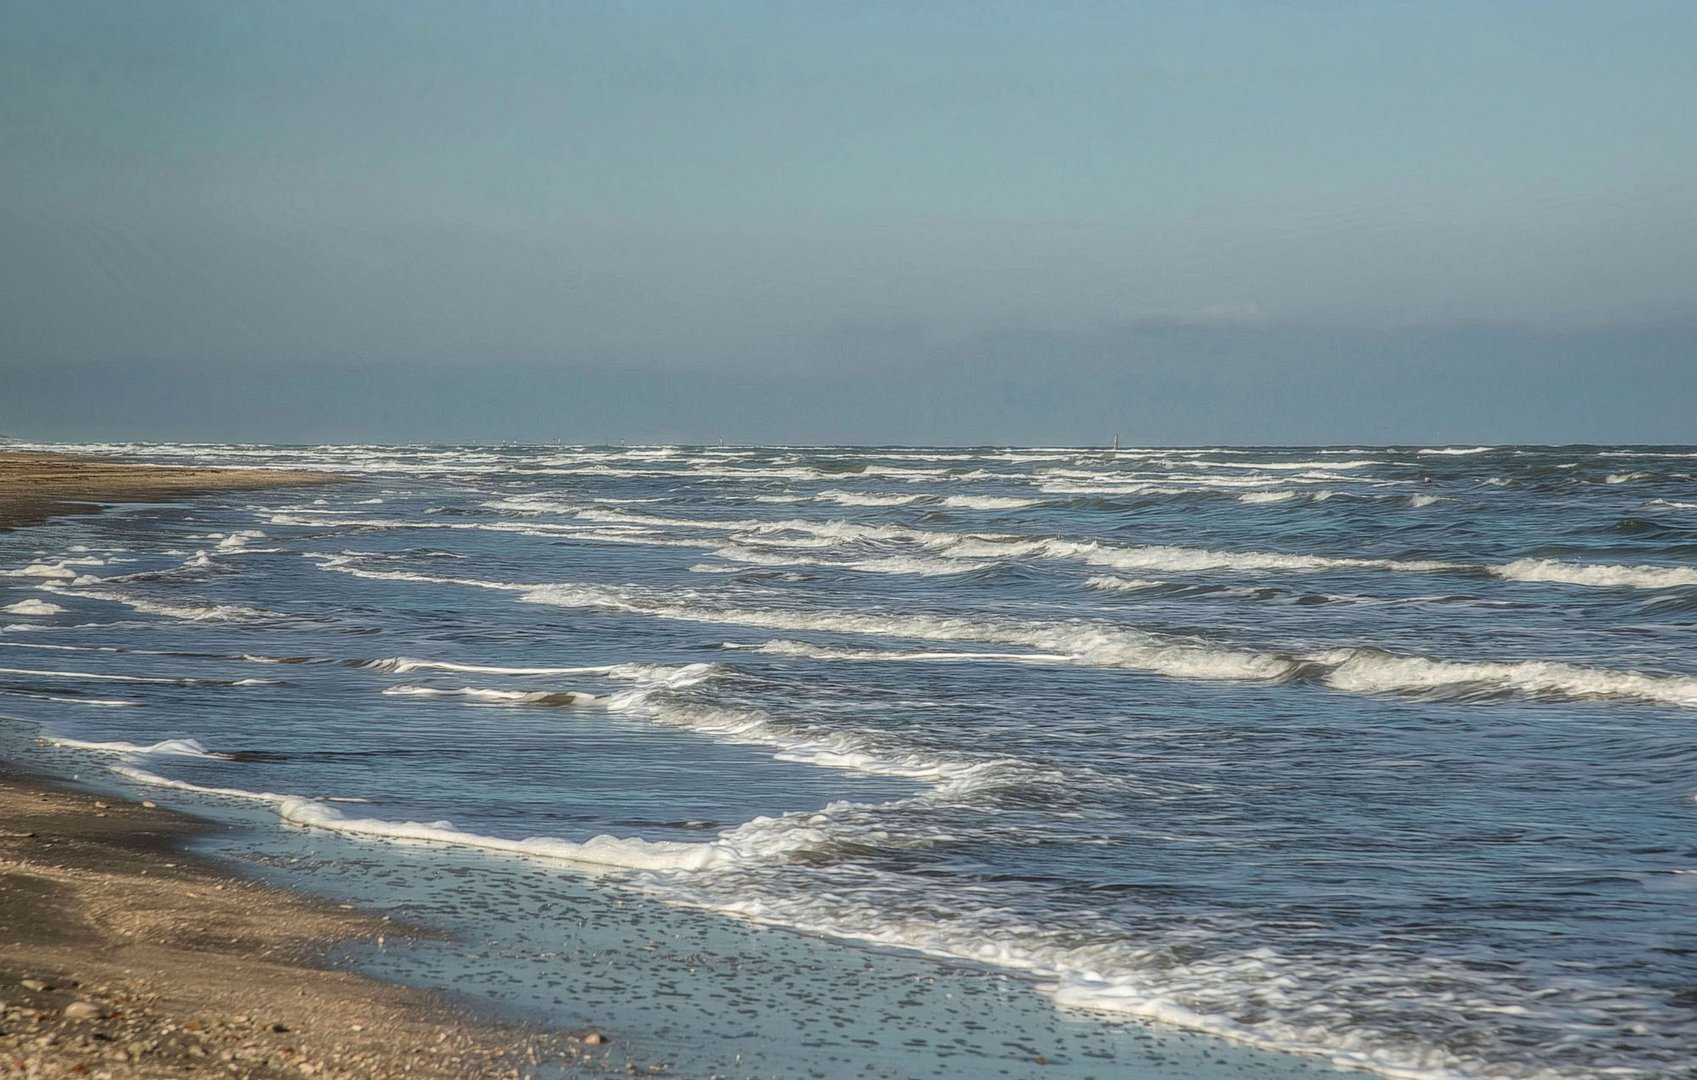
(35, 486)
(122, 956)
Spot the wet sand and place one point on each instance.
(35, 486)
(122, 956)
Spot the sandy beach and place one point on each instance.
(120, 955)
(35, 486)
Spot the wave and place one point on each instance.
(105, 703)
(1108, 583)
(1355, 670)
(1455, 451)
(402, 665)
(32, 606)
(808, 650)
(1001, 547)
(46, 571)
(239, 541)
(1596, 574)
(1098, 645)
(756, 537)
(603, 851)
(989, 502)
(193, 612)
(853, 498)
(167, 747)
(886, 564)
(653, 697)
(549, 698)
(1084, 643)
(1366, 670)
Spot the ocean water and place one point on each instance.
(1385, 756)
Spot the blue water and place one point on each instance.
(1381, 755)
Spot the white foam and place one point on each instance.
(887, 564)
(1597, 574)
(854, 498)
(1084, 643)
(601, 851)
(1455, 450)
(1109, 583)
(402, 665)
(1174, 558)
(988, 502)
(1373, 671)
(494, 696)
(1266, 496)
(205, 612)
(653, 698)
(821, 652)
(165, 748)
(49, 571)
(239, 541)
(32, 606)
(604, 851)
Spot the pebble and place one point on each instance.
(32, 984)
(594, 1038)
(82, 1010)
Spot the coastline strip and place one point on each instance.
(36, 485)
(120, 954)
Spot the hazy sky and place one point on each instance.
(1187, 222)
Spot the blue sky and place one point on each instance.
(1188, 222)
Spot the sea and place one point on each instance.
(914, 761)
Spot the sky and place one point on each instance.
(1303, 222)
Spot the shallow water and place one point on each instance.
(1378, 755)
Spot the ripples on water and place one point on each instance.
(1379, 754)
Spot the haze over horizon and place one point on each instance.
(987, 223)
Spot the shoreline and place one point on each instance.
(123, 954)
(36, 485)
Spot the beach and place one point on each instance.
(35, 486)
(121, 954)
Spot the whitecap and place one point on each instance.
(1597, 574)
(32, 606)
